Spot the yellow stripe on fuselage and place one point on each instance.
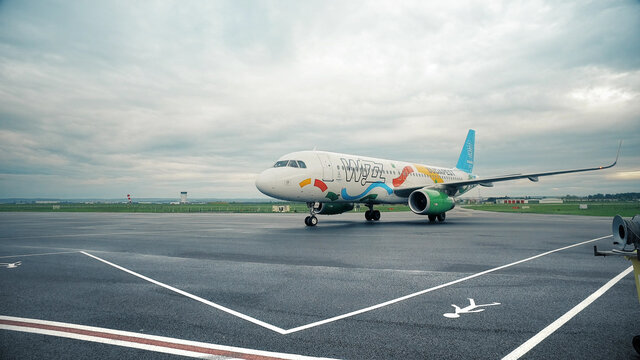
(435, 177)
(636, 273)
(305, 182)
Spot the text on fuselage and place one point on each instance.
(362, 171)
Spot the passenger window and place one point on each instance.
(281, 163)
(302, 164)
(293, 163)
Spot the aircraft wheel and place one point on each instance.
(441, 217)
(375, 216)
(636, 343)
(432, 218)
(311, 221)
(367, 215)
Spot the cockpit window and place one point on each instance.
(290, 163)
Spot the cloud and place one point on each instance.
(625, 175)
(112, 96)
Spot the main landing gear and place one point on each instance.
(371, 215)
(311, 220)
(439, 217)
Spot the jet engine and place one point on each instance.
(626, 239)
(626, 233)
(430, 202)
(333, 209)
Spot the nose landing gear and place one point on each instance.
(311, 220)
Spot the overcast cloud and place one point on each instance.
(104, 98)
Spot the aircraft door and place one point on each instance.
(327, 167)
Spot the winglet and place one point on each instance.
(617, 155)
(465, 161)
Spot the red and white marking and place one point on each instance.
(139, 341)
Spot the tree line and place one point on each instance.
(629, 196)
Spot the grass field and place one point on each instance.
(221, 207)
(626, 209)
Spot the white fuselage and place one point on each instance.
(334, 177)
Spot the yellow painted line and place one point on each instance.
(636, 274)
(305, 182)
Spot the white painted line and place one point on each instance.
(531, 343)
(322, 322)
(194, 297)
(104, 234)
(52, 253)
(343, 316)
(140, 341)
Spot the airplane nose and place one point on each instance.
(264, 182)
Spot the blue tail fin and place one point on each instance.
(465, 161)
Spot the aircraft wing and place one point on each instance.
(452, 187)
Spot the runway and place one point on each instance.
(264, 285)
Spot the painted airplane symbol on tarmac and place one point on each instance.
(11, 265)
(472, 308)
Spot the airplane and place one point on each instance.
(332, 183)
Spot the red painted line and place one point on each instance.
(320, 185)
(403, 176)
(133, 339)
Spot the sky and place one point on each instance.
(99, 99)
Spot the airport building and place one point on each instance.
(551, 201)
(512, 201)
(183, 197)
(280, 208)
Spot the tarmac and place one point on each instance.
(156, 286)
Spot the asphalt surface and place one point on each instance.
(272, 268)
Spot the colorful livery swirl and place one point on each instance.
(331, 183)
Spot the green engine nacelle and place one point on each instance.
(333, 209)
(430, 202)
